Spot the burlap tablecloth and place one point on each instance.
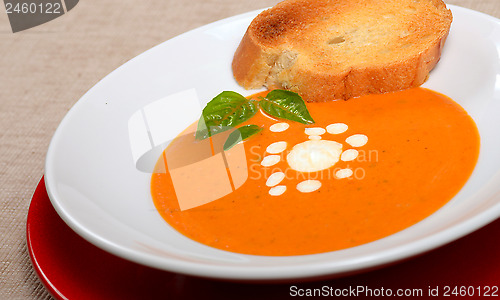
(46, 69)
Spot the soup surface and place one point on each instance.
(404, 155)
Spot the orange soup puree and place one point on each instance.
(422, 147)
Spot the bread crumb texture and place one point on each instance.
(339, 49)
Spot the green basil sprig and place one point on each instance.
(225, 111)
(241, 134)
(286, 105)
(229, 109)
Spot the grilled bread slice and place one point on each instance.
(338, 49)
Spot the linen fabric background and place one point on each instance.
(46, 69)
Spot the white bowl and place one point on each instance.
(98, 181)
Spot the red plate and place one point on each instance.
(72, 268)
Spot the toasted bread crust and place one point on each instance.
(338, 49)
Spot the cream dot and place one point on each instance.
(270, 160)
(336, 128)
(308, 186)
(276, 148)
(315, 137)
(312, 156)
(275, 179)
(315, 131)
(357, 140)
(277, 190)
(279, 127)
(344, 173)
(349, 155)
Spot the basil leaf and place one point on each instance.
(286, 105)
(202, 130)
(241, 134)
(226, 110)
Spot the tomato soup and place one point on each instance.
(410, 152)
